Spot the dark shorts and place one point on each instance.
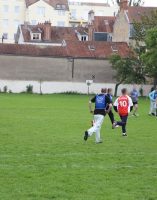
(136, 102)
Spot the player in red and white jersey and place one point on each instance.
(123, 105)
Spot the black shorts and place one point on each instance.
(136, 102)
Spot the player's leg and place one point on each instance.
(95, 128)
(124, 122)
(111, 116)
(98, 128)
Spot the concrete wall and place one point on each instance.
(63, 87)
(57, 75)
(54, 69)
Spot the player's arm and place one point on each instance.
(130, 104)
(151, 94)
(108, 104)
(115, 105)
(90, 104)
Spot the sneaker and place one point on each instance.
(99, 142)
(114, 125)
(124, 134)
(85, 135)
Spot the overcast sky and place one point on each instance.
(147, 2)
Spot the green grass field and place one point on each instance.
(43, 155)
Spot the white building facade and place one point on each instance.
(59, 13)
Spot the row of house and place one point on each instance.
(61, 13)
(99, 38)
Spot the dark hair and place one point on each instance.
(109, 90)
(103, 90)
(124, 91)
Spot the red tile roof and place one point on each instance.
(104, 24)
(72, 49)
(136, 12)
(52, 3)
(57, 33)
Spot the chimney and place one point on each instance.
(91, 17)
(123, 4)
(90, 32)
(47, 31)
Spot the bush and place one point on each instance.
(29, 89)
(5, 89)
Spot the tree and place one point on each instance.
(128, 70)
(149, 58)
(132, 2)
(145, 33)
(147, 22)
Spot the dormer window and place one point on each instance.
(91, 47)
(114, 49)
(60, 7)
(36, 36)
(84, 38)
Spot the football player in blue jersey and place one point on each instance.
(153, 102)
(101, 101)
(134, 96)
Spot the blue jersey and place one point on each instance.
(100, 101)
(134, 95)
(153, 95)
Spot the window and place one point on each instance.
(41, 11)
(5, 8)
(17, 9)
(16, 23)
(36, 36)
(84, 38)
(73, 14)
(91, 47)
(5, 23)
(60, 7)
(61, 23)
(100, 13)
(61, 12)
(34, 22)
(5, 36)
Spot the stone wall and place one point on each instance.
(54, 69)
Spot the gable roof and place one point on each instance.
(104, 24)
(57, 33)
(52, 3)
(136, 12)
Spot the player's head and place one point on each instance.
(134, 87)
(103, 90)
(124, 91)
(109, 90)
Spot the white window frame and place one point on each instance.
(36, 36)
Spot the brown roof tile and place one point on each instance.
(104, 24)
(57, 33)
(74, 49)
(135, 12)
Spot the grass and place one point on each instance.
(43, 155)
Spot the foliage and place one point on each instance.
(5, 89)
(43, 155)
(133, 2)
(29, 89)
(149, 57)
(147, 22)
(128, 70)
